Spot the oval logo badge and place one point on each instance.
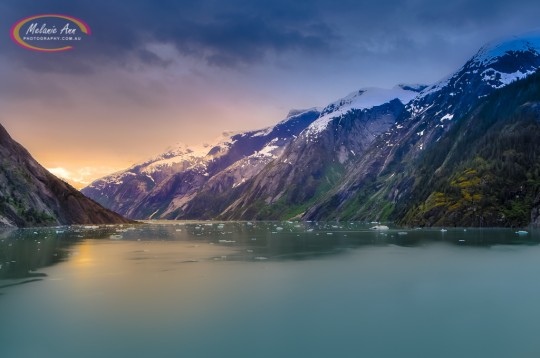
(49, 32)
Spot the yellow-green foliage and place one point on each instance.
(469, 183)
(486, 170)
(440, 199)
(465, 191)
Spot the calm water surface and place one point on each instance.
(268, 290)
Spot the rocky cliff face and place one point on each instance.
(30, 195)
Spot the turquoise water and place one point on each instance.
(268, 290)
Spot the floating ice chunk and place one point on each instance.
(380, 227)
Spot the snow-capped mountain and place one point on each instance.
(426, 121)
(162, 186)
(365, 98)
(368, 185)
(493, 67)
(181, 182)
(315, 161)
(352, 159)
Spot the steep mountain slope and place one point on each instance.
(486, 170)
(366, 186)
(31, 196)
(314, 162)
(164, 187)
(361, 157)
(378, 181)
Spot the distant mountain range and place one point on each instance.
(182, 181)
(31, 196)
(460, 152)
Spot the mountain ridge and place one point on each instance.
(32, 196)
(349, 162)
(167, 194)
(362, 193)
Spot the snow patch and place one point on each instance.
(154, 213)
(502, 78)
(263, 132)
(362, 99)
(493, 51)
(433, 89)
(267, 151)
(293, 114)
(446, 117)
(239, 183)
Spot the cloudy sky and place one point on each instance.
(154, 73)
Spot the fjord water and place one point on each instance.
(268, 290)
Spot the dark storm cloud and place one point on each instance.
(223, 34)
(239, 32)
(242, 38)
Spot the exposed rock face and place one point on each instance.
(31, 196)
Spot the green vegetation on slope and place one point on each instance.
(486, 170)
(299, 197)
